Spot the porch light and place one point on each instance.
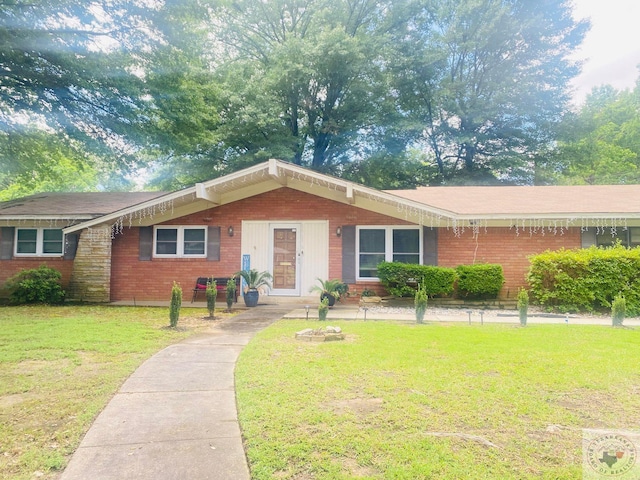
(338, 231)
(230, 231)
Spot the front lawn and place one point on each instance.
(433, 401)
(59, 366)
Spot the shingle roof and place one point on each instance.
(80, 204)
(496, 202)
(527, 200)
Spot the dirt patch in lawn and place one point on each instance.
(7, 401)
(355, 470)
(598, 409)
(360, 407)
(203, 322)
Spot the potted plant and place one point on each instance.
(254, 281)
(332, 290)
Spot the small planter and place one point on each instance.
(254, 280)
(251, 298)
(330, 299)
(330, 290)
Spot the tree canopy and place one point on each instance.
(389, 93)
(600, 143)
(487, 84)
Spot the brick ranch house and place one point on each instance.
(299, 225)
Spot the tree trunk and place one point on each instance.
(320, 146)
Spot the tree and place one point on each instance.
(67, 65)
(121, 81)
(388, 172)
(33, 161)
(310, 73)
(487, 84)
(193, 89)
(599, 144)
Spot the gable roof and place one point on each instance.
(260, 179)
(430, 206)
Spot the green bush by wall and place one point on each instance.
(586, 279)
(401, 279)
(37, 285)
(479, 281)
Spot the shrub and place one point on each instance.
(420, 302)
(38, 285)
(483, 280)
(323, 309)
(618, 310)
(523, 306)
(176, 303)
(231, 292)
(586, 279)
(402, 279)
(211, 293)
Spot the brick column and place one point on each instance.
(91, 274)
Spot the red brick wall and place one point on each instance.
(8, 268)
(502, 246)
(152, 280)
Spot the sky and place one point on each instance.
(611, 49)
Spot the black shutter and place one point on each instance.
(6, 243)
(429, 246)
(589, 237)
(349, 253)
(145, 251)
(70, 246)
(213, 244)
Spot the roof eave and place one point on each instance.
(20, 218)
(550, 216)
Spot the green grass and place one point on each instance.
(433, 401)
(59, 366)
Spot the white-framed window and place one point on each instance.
(40, 242)
(628, 237)
(376, 244)
(180, 241)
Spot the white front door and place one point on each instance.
(312, 253)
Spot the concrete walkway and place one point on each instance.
(176, 417)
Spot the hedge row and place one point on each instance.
(469, 281)
(586, 279)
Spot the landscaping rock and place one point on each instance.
(306, 331)
(370, 300)
(320, 335)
